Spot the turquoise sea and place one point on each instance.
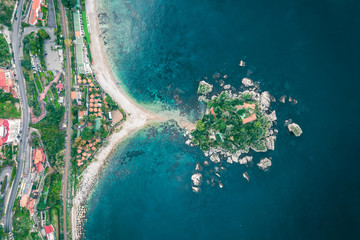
(309, 50)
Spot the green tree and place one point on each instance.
(43, 34)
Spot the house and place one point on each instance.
(251, 118)
(50, 232)
(9, 130)
(246, 105)
(38, 158)
(6, 82)
(212, 112)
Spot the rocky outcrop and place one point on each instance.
(227, 86)
(282, 99)
(270, 142)
(196, 179)
(246, 176)
(295, 129)
(247, 82)
(264, 164)
(265, 101)
(272, 116)
(204, 88)
(245, 160)
(215, 158)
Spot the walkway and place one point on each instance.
(42, 96)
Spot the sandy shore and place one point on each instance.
(137, 117)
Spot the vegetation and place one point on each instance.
(8, 104)
(52, 138)
(21, 221)
(6, 11)
(69, 3)
(5, 55)
(53, 199)
(87, 35)
(54, 219)
(4, 184)
(224, 127)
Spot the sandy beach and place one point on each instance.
(137, 117)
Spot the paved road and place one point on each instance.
(15, 36)
(68, 116)
(51, 21)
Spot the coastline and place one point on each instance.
(137, 117)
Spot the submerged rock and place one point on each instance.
(196, 179)
(264, 164)
(204, 88)
(295, 129)
(195, 189)
(247, 82)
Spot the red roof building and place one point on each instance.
(39, 158)
(49, 229)
(35, 7)
(5, 84)
(4, 131)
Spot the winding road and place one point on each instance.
(16, 38)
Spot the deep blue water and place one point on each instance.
(306, 49)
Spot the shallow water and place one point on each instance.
(308, 50)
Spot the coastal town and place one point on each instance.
(62, 113)
(54, 115)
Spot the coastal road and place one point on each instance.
(15, 38)
(68, 115)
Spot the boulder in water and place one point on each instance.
(196, 179)
(204, 88)
(247, 82)
(295, 129)
(264, 164)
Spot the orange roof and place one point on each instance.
(89, 80)
(78, 76)
(91, 110)
(77, 34)
(79, 164)
(97, 140)
(212, 112)
(24, 199)
(246, 105)
(92, 100)
(81, 113)
(73, 95)
(79, 81)
(92, 96)
(95, 109)
(91, 85)
(84, 154)
(83, 158)
(79, 150)
(39, 156)
(251, 118)
(93, 148)
(99, 114)
(35, 7)
(91, 104)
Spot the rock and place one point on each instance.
(242, 63)
(247, 82)
(198, 167)
(188, 142)
(203, 98)
(290, 99)
(264, 164)
(218, 175)
(235, 158)
(273, 99)
(282, 99)
(204, 88)
(245, 159)
(221, 83)
(195, 189)
(221, 185)
(295, 129)
(196, 179)
(216, 75)
(215, 158)
(246, 176)
(206, 163)
(272, 116)
(270, 142)
(295, 101)
(265, 100)
(227, 86)
(225, 76)
(229, 160)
